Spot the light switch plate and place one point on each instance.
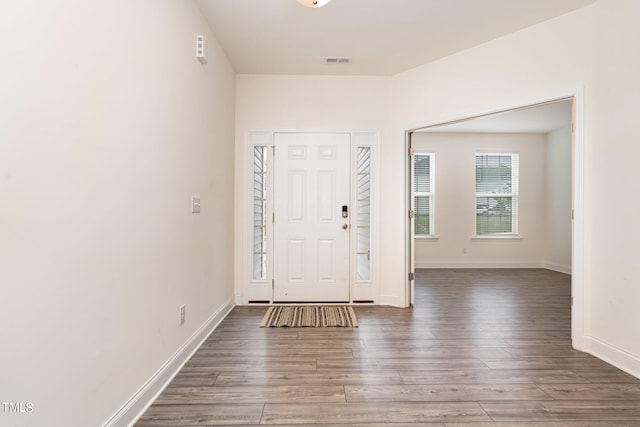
(195, 204)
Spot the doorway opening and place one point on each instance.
(547, 225)
(311, 217)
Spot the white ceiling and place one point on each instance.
(536, 119)
(383, 37)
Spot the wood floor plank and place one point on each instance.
(352, 413)
(252, 394)
(444, 393)
(539, 341)
(480, 348)
(323, 377)
(402, 364)
(549, 424)
(492, 376)
(563, 410)
(618, 392)
(605, 374)
(381, 344)
(376, 424)
(434, 353)
(196, 379)
(200, 415)
(543, 350)
(569, 363)
(332, 353)
(234, 364)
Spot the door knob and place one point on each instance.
(345, 226)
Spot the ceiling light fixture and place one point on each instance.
(313, 3)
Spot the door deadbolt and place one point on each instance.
(345, 226)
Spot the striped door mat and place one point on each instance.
(298, 316)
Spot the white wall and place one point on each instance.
(612, 242)
(557, 253)
(455, 201)
(108, 124)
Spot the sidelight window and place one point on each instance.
(363, 214)
(260, 212)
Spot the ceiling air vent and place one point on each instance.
(335, 60)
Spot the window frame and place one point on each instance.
(514, 195)
(261, 175)
(430, 194)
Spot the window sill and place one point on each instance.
(429, 237)
(497, 237)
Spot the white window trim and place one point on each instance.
(497, 237)
(515, 215)
(256, 289)
(431, 194)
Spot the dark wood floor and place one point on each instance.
(480, 348)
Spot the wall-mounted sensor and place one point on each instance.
(201, 49)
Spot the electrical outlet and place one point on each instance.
(182, 313)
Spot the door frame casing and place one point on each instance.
(261, 291)
(577, 178)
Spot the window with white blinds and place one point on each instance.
(423, 194)
(496, 194)
(363, 214)
(260, 212)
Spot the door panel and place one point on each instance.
(296, 258)
(326, 257)
(297, 186)
(326, 197)
(311, 238)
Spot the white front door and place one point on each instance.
(311, 236)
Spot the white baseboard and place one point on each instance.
(478, 264)
(392, 300)
(133, 409)
(630, 363)
(559, 268)
(492, 264)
